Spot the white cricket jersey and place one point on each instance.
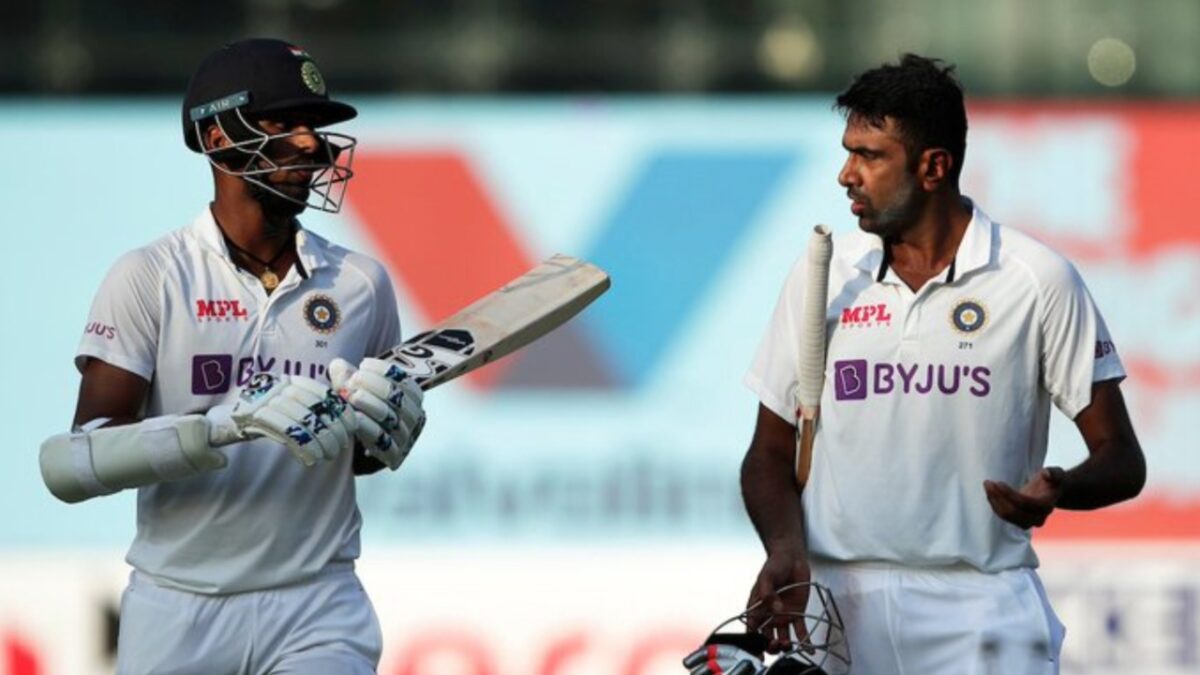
(180, 314)
(929, 393)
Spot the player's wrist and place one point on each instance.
(790, 549)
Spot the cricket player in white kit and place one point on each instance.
(950, 336)
(226, 330)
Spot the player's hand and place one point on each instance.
(1030, 506)
(780, 569)
(714, 658)
(303, 414)
(387, 403)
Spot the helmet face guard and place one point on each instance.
(246, 156)
(823, 651)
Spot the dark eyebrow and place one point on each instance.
(859, 149)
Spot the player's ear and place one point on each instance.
(934, 168)
(214, 138)
(220, 148)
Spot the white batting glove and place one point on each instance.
(387, 403)
(303, 414)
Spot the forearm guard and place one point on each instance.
(91, 461)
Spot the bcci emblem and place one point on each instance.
(312, 78)
(322, 314)
(968, 316)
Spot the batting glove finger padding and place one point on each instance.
(322, 414)
(303, 428)
(306, 416)
(280, 427)
(375, 408)
(388, 403)
(390, 382)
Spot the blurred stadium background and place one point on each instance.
(574, 509)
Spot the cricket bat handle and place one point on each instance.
(811, 377)
(804, 450)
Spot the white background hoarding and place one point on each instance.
(598, 611)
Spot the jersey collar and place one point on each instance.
(975, 251)
(206, 230)
(978, 246)
(309, 247)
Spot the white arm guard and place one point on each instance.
(94, 462)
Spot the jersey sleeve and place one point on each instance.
(386, 333)
(1077, 349)
(774, 372)
(122, 326)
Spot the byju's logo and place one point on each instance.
(217, 373)
(110, 332)
(866, 316)
(855, 379)
(211, 374)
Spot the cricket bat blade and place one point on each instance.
(501, 322)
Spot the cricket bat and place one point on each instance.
(501, 322)
(811, 378)
(497, 324)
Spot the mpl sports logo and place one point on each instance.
(669, 230)
(221, 310)
(856, 379)
(866, 316)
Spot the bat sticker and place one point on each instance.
(434, 352)
(454, 339)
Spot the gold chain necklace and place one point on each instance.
(269, 279)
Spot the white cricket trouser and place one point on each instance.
(943, 621)
(323, 626)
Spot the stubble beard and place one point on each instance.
(900, 213)
(276, 208)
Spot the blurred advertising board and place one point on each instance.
(602, 463)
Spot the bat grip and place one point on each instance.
(805, 437)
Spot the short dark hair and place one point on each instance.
(922, 95)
